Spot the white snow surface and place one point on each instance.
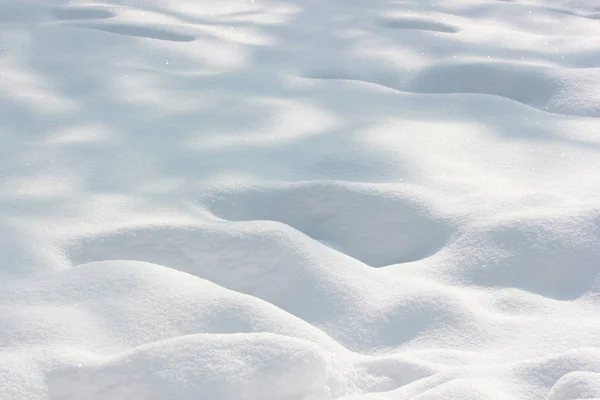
(299, 199)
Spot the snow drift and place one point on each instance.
(299, 200)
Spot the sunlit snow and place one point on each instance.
(299, 199)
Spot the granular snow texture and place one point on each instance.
(299, 200)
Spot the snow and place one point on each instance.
(299, 200)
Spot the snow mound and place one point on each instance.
(576, 385)
(552, 255)
(568, 92)
(142, 303)
(203, 366)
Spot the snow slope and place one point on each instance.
(299, 199)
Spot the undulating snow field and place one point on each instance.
(299, 199)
